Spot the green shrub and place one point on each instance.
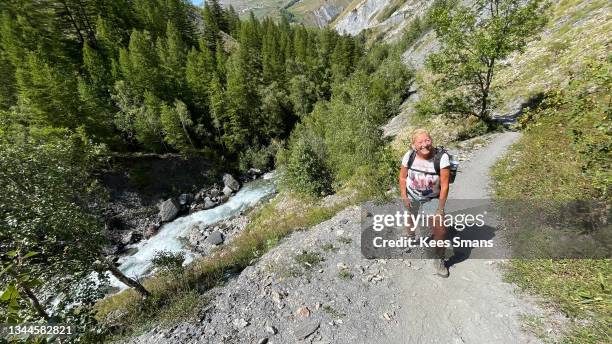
(472, 130)
(169, 261)
(412, 32)
(340, 142)
(258, 157)
(303, 165)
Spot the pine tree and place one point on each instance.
(241, 106)
(147, 123)
(343, 57)
(233, 21)
(8, 87)
(155, 14)
(49, 92)
(172, 53)
(300, 43)
(140, 64)
(176, 123)
(109, 39)
(94, 93)
(218, 15)
(217, 104)
(272, 56)
(220, 61)
(28, 26)
(211, 28)
(199, 71)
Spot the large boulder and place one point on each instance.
(215, 238)
(230, 182)
(185, 199)
(223, 198)
(168, 210)
(227, 191)
(209, 203)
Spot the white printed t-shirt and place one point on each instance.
(423, 183)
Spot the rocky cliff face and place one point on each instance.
(326, 13)
(361, 17)
(388, 17)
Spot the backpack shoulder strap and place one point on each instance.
(439, 152)
(411, 158)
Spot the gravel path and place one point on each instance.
(473, 305)
(316, 287)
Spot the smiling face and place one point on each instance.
(423, 145)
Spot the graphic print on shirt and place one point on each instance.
(422, 181)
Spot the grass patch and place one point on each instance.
(344, 240)
(537, 326)
(308, 260)
(578, 30)
(333, 312)
(329, 247)
(345, 274)
(568, 136)
(291, 271)
(581, 288)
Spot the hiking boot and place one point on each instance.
(440, 266)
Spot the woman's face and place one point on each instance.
(423, 145)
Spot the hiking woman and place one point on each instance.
(425, 176)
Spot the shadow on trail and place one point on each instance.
(472, 234)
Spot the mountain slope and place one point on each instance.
(308, 12)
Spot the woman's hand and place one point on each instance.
(406, 202)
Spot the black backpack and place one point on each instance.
(440, 150)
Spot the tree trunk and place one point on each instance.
(484, 104)
(34, 300)
(126, 280)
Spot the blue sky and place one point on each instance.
(197, 2)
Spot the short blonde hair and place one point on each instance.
(418, 132)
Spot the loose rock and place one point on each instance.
(230, 182)
(240, 323)
(306, 330)
(168, 210)
(303, 311)
(215, 238)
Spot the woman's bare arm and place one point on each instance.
(402, 184)
(444, 186)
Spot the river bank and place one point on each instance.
(198, 233)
